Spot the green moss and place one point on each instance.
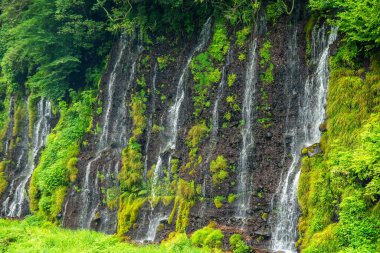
(231, 198)
(130, 175)
(164, 61)
(219, 169)
(238, 245)
(308, 30)
(194, 138)
(32, 113)
(242, 36)
(207, 237)
(19, 120)
(218, 201)
(138, 108)
(343, 182)
(3, 179)
(242, 56)
(231, 80)
(112, 198)
(184, 201)
(205, 75)
(52, 174)
(72, 169)
(219, 44)
(128, 212)
(274, 11)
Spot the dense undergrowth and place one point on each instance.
(339, 189)
(35, 235)
(57, 166)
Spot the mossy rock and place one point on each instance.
(312, 150)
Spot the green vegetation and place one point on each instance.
(358, 20)
(231, 80)
(267, 78)
(35, 235)
(275, 10)
(231, 198)
(343, 182)
(3, 179)
(45, 42)
(163, 61)
(52, 176)
(219, 169)
(205, 67)
(194, 138)
(218, 201)
(242, 36)
(238, 245)
(185, 199)
(207, 237)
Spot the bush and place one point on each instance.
(207, 237)
(219, 167)
(218, 201)
(238, 245)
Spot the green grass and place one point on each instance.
(34, 235)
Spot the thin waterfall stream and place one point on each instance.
(16, 204)
(170, 135)
(244, 175)
(311, 114)
(215, 128)
(111, 140)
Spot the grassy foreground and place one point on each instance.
(34, 235)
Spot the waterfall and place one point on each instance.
(215, 128)
(311, 114)
(17, 202)
(150, 119)
(111, 140)
(171, 126)
(170, 135)
(244, 175)
(109, 98)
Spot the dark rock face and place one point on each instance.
(270, 154)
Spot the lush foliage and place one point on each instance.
(343, 183)
(50, 45)
(219, 169)
(207, 237)
(52, 176)
(358, 20)
(34, 235)
(238, 245)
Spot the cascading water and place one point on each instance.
(215, 128)
(170, 134)
(244, 176)
(150, 120)
(311, 114)
(112, 138)
(16, 204)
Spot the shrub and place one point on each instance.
(207, 237)
(231, 79)
(231, 198)
(218, 201)
(219, 167)
(238, 245)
